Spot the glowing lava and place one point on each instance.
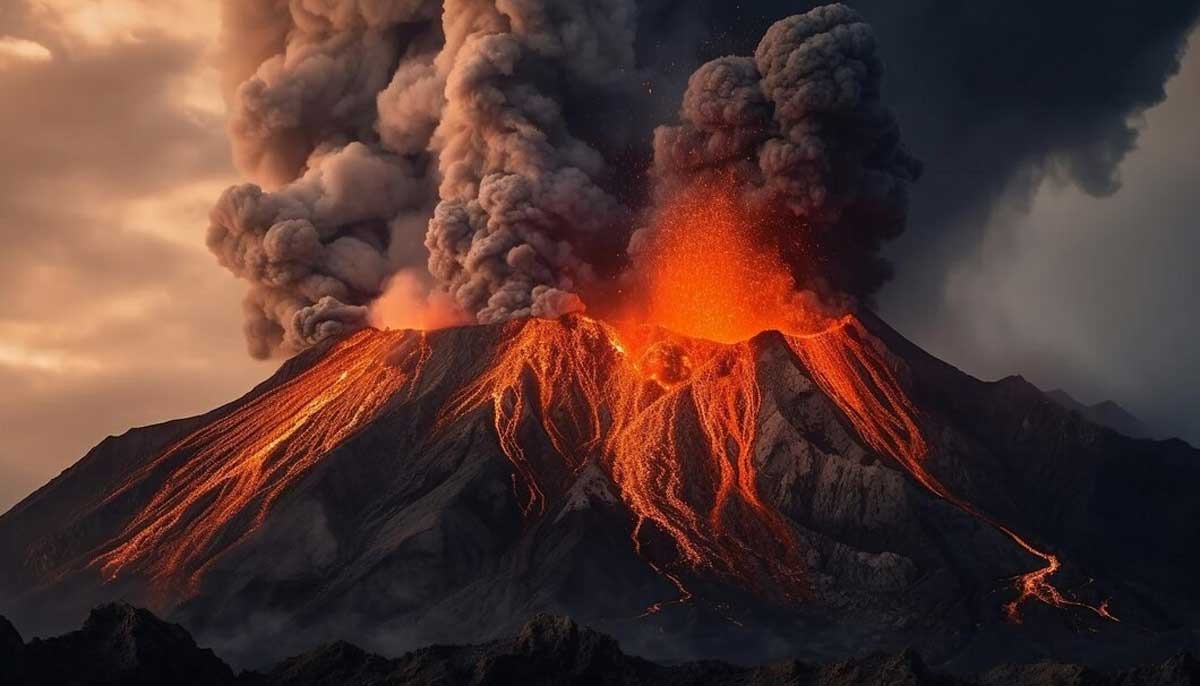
(703, 274)
(669, 411)
(855, 374)
(224, 478)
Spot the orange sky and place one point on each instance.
(112, 149)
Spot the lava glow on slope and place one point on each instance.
(704, 275)
(228, 474)
(665, 397)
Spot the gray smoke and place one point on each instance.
(333, 114)
(519, 194)
(802, 129)
(484, 125)
(355, 110)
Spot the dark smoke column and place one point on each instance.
(332, 119)
(355, 119)
(521, 198)
(801, 129)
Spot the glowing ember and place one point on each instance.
(701, 273)
(232, 471)
(704, 275)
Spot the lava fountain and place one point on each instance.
(663, 394)
(704, 274)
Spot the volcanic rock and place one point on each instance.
(812, 498)
(118, 645)
(548, 651)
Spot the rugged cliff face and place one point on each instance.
(813, 496)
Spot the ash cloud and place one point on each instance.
(994, 98)
(331, 117)
(801, 128)
(367, 125)
(521, 196)
(520, 131)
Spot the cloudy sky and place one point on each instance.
(113, 149)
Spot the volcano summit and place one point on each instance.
(673, 415)
(816, 495)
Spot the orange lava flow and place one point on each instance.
(241, 464)
(855, 374)
(703, 274)
(680, 451)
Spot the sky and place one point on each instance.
(113, 149)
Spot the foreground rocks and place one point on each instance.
(120, 644)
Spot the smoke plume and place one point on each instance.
(800, 127)
(333, 124)
(360, 116)
(520, 197)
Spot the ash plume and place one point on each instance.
(333, 125)
(801, 129)
(360, 116)
(519, 193)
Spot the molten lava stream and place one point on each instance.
(857, 377)
(720, 524)
(566, 389)
(574, 379)
(243, 462)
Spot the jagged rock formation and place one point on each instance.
(357, 495)
(119, 645)
(547, 651)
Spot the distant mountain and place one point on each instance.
(1105, 413)
(547, 651)
(814, 497)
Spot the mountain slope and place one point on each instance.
(1105, 413)
(817, 496)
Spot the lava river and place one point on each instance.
(227, 475)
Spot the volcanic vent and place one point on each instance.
(398, 486)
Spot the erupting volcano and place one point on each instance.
(625, 472)
(678, 412)
(673, 417)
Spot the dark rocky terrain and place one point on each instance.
(118, 644)
(412, 530)
(123, 645)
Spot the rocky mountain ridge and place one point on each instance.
(123, 645)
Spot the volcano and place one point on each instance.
(819, 496)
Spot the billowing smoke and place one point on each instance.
(359, 114)
(334, 125)
(482, 126)
(801, 128)
(520, 198)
